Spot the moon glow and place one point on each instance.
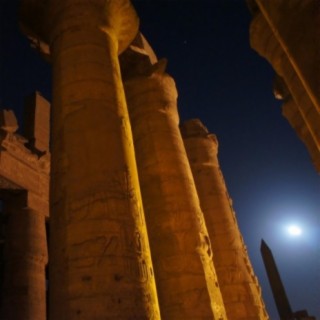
(294, 230)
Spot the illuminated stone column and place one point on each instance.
(180, 247)
(239, 287)
(26, 257)
(100, 264)
(286, 33)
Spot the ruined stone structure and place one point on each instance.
(239, 287)
(180, 245)
(114, 253)
(286, 33)
(24, 191)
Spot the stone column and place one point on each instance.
(100, 264)
(240, 289)
(25, 260)
(180, 247)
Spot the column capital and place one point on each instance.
(42, 23)
(195, 128)
(158, 91)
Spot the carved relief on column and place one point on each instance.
(185, 276)
(240, 289)
(25, 260)
(100, 258)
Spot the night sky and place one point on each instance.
(222, 81)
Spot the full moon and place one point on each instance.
(294, 230)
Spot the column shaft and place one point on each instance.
(100, 258)
(25, 259)
(240, 290)
(181, 252)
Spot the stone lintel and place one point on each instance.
(6, 184)
(10, 193)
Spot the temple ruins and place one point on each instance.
(24, 171)
(239, 286)
(286, 34)
(138, 223)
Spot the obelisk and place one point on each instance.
(181, 252)
(278, 290)
(100, 264)
(239, 287)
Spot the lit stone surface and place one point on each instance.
(295, 26)
(100, 259)
(37, 122)
(286, 34)
(239, 287)
(24, 288)
(20, 168)
(24, 192)
(8, 121)
(181, 252)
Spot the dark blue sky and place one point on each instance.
(222, 81)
